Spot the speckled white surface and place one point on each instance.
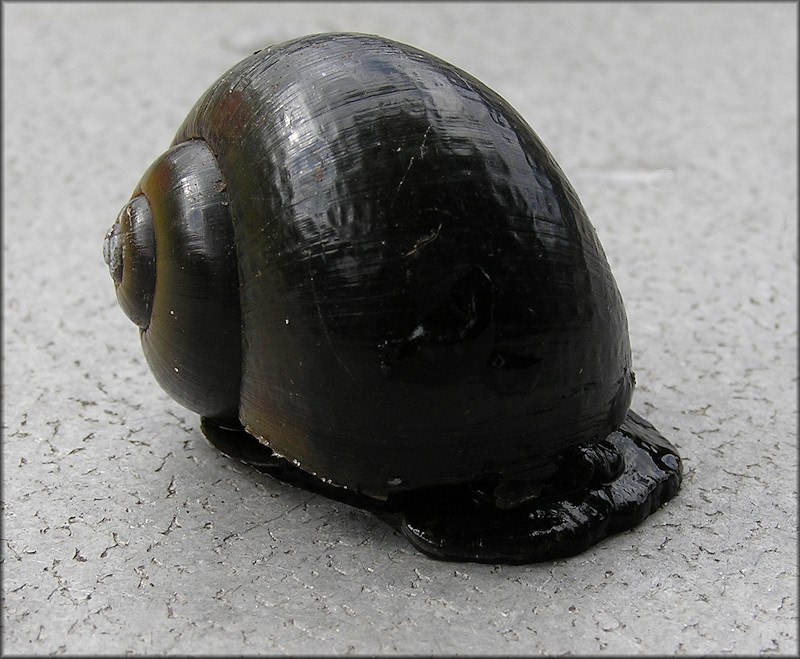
(123, 531)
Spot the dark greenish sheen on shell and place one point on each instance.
(367, 260)
(421, 282)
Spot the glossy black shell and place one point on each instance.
(423, 299)
(369, 277)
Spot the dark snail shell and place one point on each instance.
(365, 259)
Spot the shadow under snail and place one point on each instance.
(370, 278)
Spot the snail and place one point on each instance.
(369, 277)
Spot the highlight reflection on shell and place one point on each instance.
(368, 275)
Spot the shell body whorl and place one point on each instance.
(423, 298)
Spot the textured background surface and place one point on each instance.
(123, 531)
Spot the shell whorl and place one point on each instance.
(130, 251)
(172, 257)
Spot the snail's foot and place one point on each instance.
(597, 490)
(231, 439)
(635, 470)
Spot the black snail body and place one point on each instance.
(367, 274)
